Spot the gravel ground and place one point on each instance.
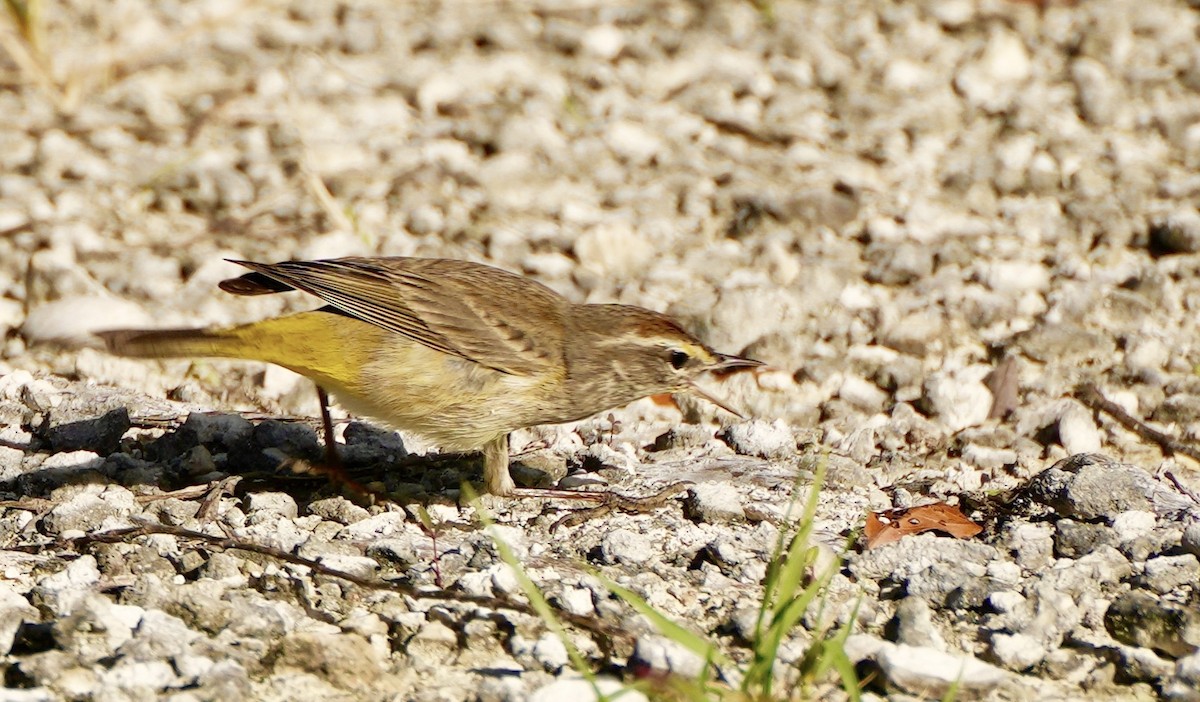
(936, 221)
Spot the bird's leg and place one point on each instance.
(496, 480)
(331, 455)
(333, 467)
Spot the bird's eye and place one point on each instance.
(678, 359)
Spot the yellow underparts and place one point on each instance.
(328, 348)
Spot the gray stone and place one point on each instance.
(914, 335)
(101, 435)
(384, 524)
(859, 445)
(398, 551)
(15, 611)
(88, 507)
(361, 566)
(626, 547)
(1007, 601)
(898, 263)
(1073, 539)
(223, 428)
(1140, 619)
(1191, 538)
(1017, 651)
(715, 503)
(293, 439)
(577, 601)
(345, 659)
(551, 652)
(338, 509)
(988, 458)
(580, 690)
(198, 463)
(683, 436)
(96, 627)
(927, 671)
(1065, 343)
(953, 561)
(262, 506)
(368, 435)
(1031, 544)
(1132, 524)
(1171, 573)
(139, 677)
(1143, 664)
(1185, 687)
(1090, 486)
(769, 440)
(664, 655)
(958, 399)
(1077, 430)
(158, 635)
(1100, 97)
(914, 624)
(841, 472)
(60, 591)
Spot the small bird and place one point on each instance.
(457, 352)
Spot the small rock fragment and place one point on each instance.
(551, 652)
(959, 399)
(1017, 651)
(927, 671)
(772, 441)
(1073, 539)
(262, 506)
(1165, 574)
(1140, 619)
(714, 503)
(101, 435)
(664, 655)
(914, 624)
(580, 690)
(627, 547)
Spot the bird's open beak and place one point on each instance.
(729, 363)
(723, 366)
(695, 389)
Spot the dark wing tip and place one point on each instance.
(253, 283)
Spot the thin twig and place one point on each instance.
(590, 624)
(1090, 395)
(1183, 489)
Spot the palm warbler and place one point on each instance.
(458, 352)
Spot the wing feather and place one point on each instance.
(456, 307)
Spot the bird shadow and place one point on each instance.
(282, 455)
(267, 455)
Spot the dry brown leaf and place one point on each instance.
(893, 524)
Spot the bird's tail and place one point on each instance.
(328, 348)
(174, 343)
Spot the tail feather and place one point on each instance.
(328, 348)
(171, 343)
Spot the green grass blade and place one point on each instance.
(536, 599)
(684, 637)
(786, 598)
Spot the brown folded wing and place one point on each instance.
(483, 314)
